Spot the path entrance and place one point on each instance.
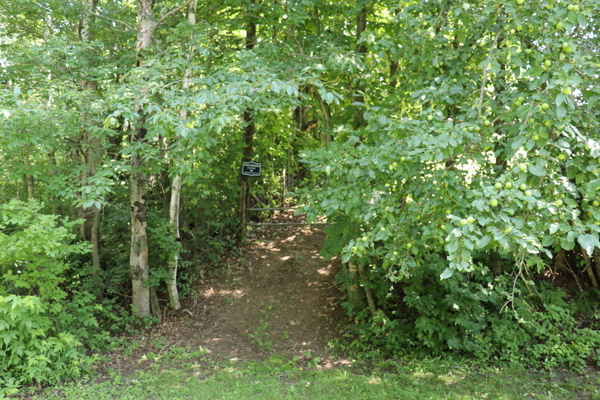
(278, 296)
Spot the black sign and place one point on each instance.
(250, 168)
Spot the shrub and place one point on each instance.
(474, 314)
(29, 351)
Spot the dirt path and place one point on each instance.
(279, 297)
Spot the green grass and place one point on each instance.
(181, 376)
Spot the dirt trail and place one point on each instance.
(279, 297)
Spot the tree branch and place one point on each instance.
(485, 71)
(173, 11)
(115, 20)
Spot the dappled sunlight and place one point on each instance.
(289, 239)
(326, 270)
(451, 379)
(330, 364)
(238, 294)
(422, 375)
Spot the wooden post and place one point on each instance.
(284, 189)
(243, 194)
(353, 286)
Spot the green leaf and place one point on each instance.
(538, 169)
(548, 240)
(453, 246)
(481, 243)
(561, 111)
(589, 242)
(446, 274)
(275, 87)
(345, 257)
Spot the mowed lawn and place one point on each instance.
(276, 378)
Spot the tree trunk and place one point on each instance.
(138, 259)
(176, 184)
(92, 155)
(327, 138)
(174, 221)
(249, 131)
(589, 268)
(361, 49)
(29, 179)
(353, 294)
(368, 292)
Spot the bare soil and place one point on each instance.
(278, 296)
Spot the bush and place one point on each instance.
(30, 353)
(43, 315)
(474, 314)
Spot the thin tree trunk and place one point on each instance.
(596, 263)
(29, 179)
(327, 139)
(353, 286)
(138, 260)
(174, 221)
(176, 184)
(93, 155)
(368, 292)
(393, 73)
(249, 131)
(361, 49)
(589, 268)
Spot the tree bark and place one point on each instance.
(176, 184)
(174, 221)
(353, 294)
(368, 292)
(29, 179)
(138, 259)
(361, 49)
(249, 131)
(92, 154)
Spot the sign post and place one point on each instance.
(250, 168)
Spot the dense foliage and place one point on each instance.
(453, 147)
